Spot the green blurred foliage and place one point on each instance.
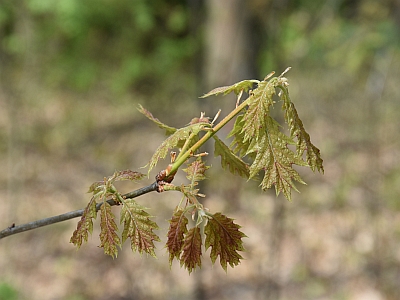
(88, 44)
(7, 292)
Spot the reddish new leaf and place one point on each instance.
(85, 225)
(225, 240)
(138, 227)
(128, 175)
(191, 256)
(196, 170)
(176, 232)
(108, 236)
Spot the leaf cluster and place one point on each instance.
(136, 222)
(222, 236)
(258, 136)
(259, 147)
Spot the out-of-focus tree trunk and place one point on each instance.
(228, 56)
(232, 40)
(229, 52)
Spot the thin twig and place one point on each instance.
(14, 229)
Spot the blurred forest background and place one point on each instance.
(71, 76)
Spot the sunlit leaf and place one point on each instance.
(138, 227)
(108, 235)
(176, 234)
(258, 136)
(225, 240)
(173, 141)
(244, 85)
(255, 118)
(191, 254)
(275, 158)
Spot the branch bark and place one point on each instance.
(13, 229)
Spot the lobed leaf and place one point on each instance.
(138, 227)
(275, 158)
(258, 136)
(108, 235)
(229, 160)
(225, 240)
(191, 254)
(190, 192)
(254, 121)
(168, 129)
(173, 141)
(85, 224)
(127, 175)
(196, 170)
(239, 145)
(96, 187)
(313, 156)
(176, 233)
(244, 85)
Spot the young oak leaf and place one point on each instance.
(168, 129)
(255, 118)
(238, 144)
(173, 141)
(229, 160)
(108, 235)
(196, 170)
(244, 85)
(191, 252)
(176, 234)
(313, 156)
(127, 175)
(138, 227)
(85, 224)
(95, 187)
(225, 240)
(276, 159)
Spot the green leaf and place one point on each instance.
(96, 187)
(168, 129)
(229, 160)
(175, 140)
(239, 145)
(196, 170)
(138, 227)
(176, 233)
(244, 85)
(258, 136)
(255, 118)
(276, 159)
(225, 240)
(85, 225)
(313, 156)
(191, 255)
(108, 235)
